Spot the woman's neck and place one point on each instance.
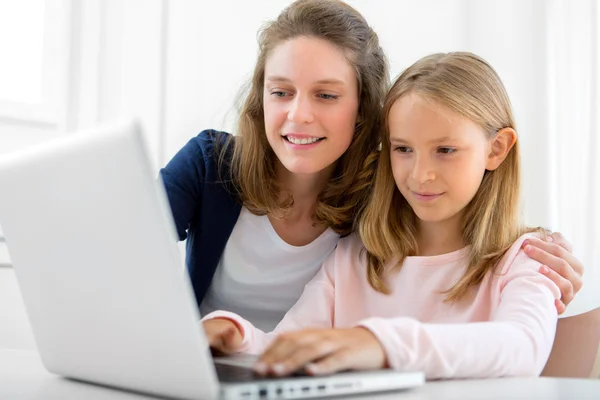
(441, 237)
(304, 189)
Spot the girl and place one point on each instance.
(440, 282)
(263, 210)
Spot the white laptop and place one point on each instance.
(94, 250)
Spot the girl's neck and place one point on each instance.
(442, 237)
(304, 189)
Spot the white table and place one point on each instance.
(22, 377)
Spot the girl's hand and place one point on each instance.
(562, 267)
(322, 351)
(223, 335)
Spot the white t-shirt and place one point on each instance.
(260, 276)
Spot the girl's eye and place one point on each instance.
(403, 149)
(447, 150)
(278, 94)
(326, 96)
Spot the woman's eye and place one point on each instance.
(278, 94)
(326, 96)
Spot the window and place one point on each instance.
(33, 71)
(22, 44)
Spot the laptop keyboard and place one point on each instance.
(236, 373)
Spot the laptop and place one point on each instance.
(94, 250)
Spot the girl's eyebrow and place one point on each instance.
(326, 81)
(397, 140)
(434, 141)
(443, 139)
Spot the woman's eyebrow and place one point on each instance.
(326, 81)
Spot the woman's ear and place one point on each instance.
(501, 144)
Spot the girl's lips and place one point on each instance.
(426, 196)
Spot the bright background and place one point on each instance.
(178, 65)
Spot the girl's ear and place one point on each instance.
(501, 144)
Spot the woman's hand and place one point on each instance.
(223, 335)
(559, 264)
(322, 351)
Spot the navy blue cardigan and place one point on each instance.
(203, 203)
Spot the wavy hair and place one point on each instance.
(253, 160)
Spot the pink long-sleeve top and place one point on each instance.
(505, 327)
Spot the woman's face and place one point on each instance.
(310, 104)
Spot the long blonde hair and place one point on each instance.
(468, 85)
(253, 160)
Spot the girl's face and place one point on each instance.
(310, 104)
(438, 157)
